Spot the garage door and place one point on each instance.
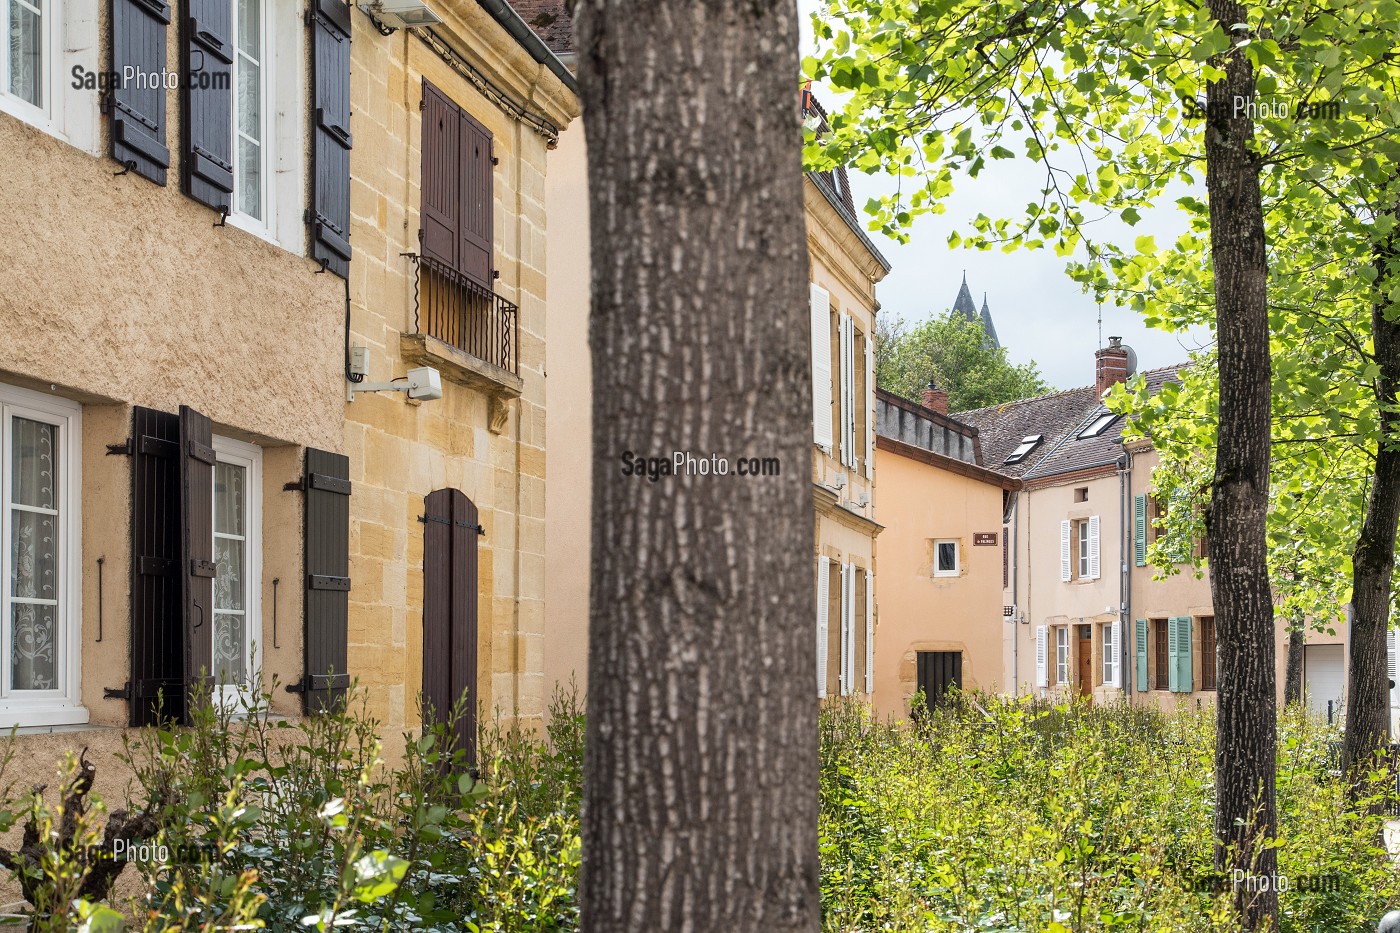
(1324, 677)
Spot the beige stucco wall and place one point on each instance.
(921, 612)
(486, 436)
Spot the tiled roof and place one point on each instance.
(551, 22)
(1002, 427)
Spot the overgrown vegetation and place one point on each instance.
(954, 353)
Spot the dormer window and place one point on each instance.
(1028, 443)
(1098, 425)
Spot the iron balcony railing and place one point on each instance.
(465, 314)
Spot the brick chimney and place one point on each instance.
(1110, 365)
(936, 398)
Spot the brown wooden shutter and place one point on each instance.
(197, 551)
(138, 112)
(450, 612)
(157, 636)
(207, 96)
(440, 221)
(331, 141)
(327, 531)
(475, 256)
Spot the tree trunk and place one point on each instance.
(1246, 704)
(1293, 673)
(700, 776)
(1373, 561)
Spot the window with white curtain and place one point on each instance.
(250, 110)
(238, 565)
(1062, 654)
(26, 55)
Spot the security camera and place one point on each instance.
(424, 384)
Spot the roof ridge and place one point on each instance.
(1019, 401)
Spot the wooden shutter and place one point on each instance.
(869, 632)
(439, 232)
(823, 596)
(475, 255)
(330, 135)
(450, 612)
(1183, 655)
(1140, 648)
(1115, 631)
(845, 676)
(1390, 654)
(207, 96)
(138, 113)
(1140, 529)
(1093, 547)
(157, 635)
(197, 459)
(327, 545)
(1173, 665)
(848, 392)
(1042, 674)
(869, 406)
(820, 301)
(1066, 567)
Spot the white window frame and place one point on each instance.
(1108, 635)
(1061, 655)
(283, 147)
(62, 705)
(956, 569)
(249, 457)
(69, 39)
(1082, 543)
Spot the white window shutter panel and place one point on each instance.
(869, 632)
(869, 406)
(1390, 653)
(1116, 645)
(848, 414)
(821, 367)
(1066, 568)
(823, 595)
(844, 677)
(851, 629)
(1041, 671)
(1093, 547)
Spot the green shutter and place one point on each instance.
(1183, 654)
(1173, 667)
(1140, 645)
(1140, 529)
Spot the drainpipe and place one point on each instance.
(1125, 541)
(1015, 621)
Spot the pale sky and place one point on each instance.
(1039, 313)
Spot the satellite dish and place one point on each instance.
(1132, 361)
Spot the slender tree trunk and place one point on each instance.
(1373, 561)
(1293, 673)
(1246, 704)
(700, 776)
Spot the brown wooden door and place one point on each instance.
(1086, 660)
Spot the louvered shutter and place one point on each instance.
(1093, 547)
(450, 589)
(440, 224)
(823, 595)
(1140, 529)
(197, 459)
(1390, 657)
(1173, 657)
(1184, 678)
(1115, 631)
(848, 394)
(157, 634)
(330, 135)
(869, 632)
(327, 600)
(475, 255)
(138, 112)
(1140, 647)
(1066, 567)
(207, 98)
(1042, 675)
(820, 302)
(869, 406)
(846, 600)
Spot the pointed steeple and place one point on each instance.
(987, 324)
(963, 304)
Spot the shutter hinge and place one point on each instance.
(298, 687)
(445, 521)
(114, 693)
(120, 450)
(104, 102)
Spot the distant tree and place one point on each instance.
(951, 351)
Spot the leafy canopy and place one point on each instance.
(953, 352)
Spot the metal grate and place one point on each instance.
(465, 314)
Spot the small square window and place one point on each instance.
(1081, 494)
(945, 558)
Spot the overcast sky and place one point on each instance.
(1039, 313)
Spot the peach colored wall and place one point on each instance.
(921, 612)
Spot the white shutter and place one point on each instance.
(1390, 653)
(845, 676)
(1116, 645)
(869, 632)
(1041, 670)
(821, 367)
(848, 419)
(869, 405)
(823, 595)
(1066, 568)
(1093, 547)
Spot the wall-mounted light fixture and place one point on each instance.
(423, 384)
(389, 15)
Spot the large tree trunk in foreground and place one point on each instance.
(1246, 704)
(1373, 561)
(700, 777)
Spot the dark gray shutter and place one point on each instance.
(439, 223)
(475, 256)
(327, 530)
(331, 141)
(157, 637)
(450, 529)
(138, 109)
(197, 461)
(207, 58)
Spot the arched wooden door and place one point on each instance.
(450, 530)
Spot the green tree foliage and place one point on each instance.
(953, 352)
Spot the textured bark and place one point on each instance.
(700, 790)
(1373, 561)
(1246, 713)
(1293, 673)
